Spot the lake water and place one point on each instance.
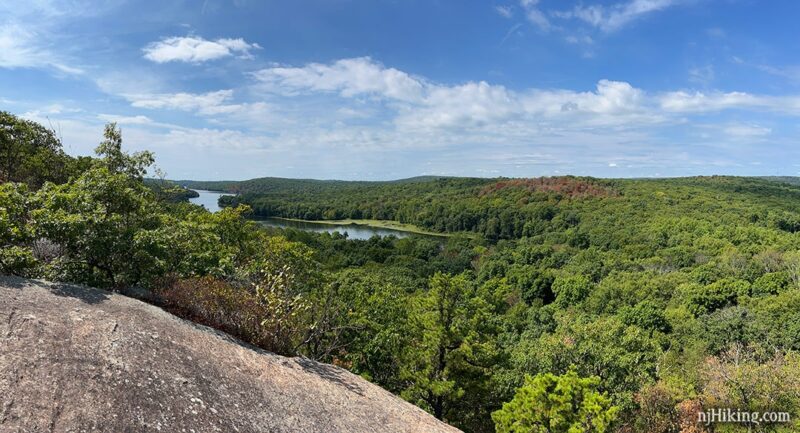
(354, 231)
(208, 199)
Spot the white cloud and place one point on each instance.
(210, 104)
(180, 101)
(32, 33)
(482, 105)
(50, 9)
(473, 104)
(194, 49)
(421, 104)
(513, 30)
(535, 15)
(349, 77)
(611, 18)
(579, 40)
(699, 102)
(682, 101)
(788, 72)
(219, 139)
(792, 73)
(20, 47)
(367, 112)
(746, 131)
(126, 120)
(359, 105)
(702, 74)
(610, 97)
(504, 11)
(57, 108)
(427, 104)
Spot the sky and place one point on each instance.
(387, 89)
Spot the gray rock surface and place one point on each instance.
(77, 359)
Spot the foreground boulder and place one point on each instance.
(75, 359)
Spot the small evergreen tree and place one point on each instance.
(557, 404)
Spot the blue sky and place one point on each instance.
(385, 89)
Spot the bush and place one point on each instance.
(269, 321)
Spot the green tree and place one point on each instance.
(116, 160)
(204, 243)
(720, 294)
(534, 285)
(646, 315)
(571, 289)
(742, 378)
(454, 351)
(107, 226)
(360, 320)
(30, 153)
(771, 283)
(16, 231)
(624, 357)
(548, 403)
(105, 221)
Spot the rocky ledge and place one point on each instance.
(77, 359)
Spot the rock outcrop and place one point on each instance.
(77, 359)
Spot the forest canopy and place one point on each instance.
(560, 304)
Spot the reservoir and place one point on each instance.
(354, 231)
(209, 200)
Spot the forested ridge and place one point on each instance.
(516, 208)
(569, 304)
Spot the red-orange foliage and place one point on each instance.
(569, 187)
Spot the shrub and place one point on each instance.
(264, 319)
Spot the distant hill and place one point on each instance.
(501, 208)
(278, 183)
(169, 190)
(791, 180)
(82, 359)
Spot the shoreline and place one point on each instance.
(379, 224)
